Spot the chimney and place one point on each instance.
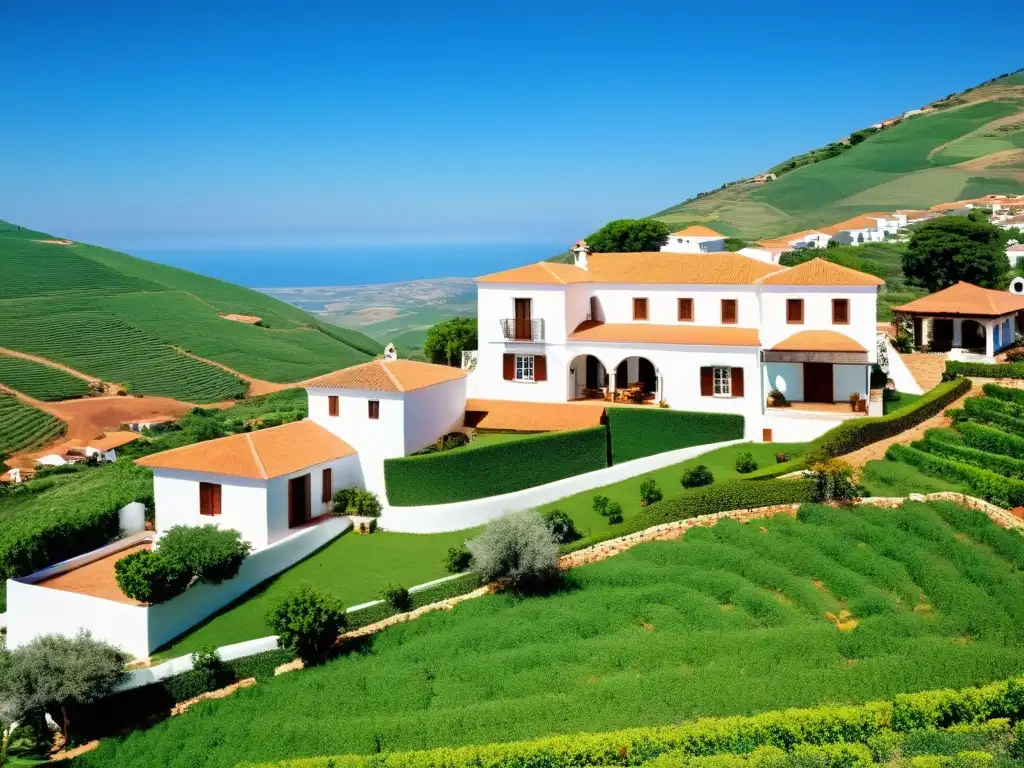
(580, 252)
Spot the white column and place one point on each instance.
(958, 331)
(926, 331)
(611, 384)
(990, 327)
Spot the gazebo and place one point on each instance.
(965, 321)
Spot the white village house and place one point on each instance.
(695, 239)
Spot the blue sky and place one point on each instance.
(197, 124)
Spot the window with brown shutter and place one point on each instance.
(841, 311)
(639, 309)
(326, 487)
(508, 367)
(728, 311)
(707, 381)
(540, 368)
(373, 408)
(209, 499)
(685, 310)
(332, 405)
(794, 311)
(737, 382)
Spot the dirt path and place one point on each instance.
(256, 386)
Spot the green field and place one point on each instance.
(40, 381)
(729, 619)
(898, 400)
(124, 320)
(24, 428)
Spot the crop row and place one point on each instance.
(40, 381)
(23, 427)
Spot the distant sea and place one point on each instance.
(349, 264)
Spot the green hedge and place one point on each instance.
(990, 439)
(639, 432)
(993, 487)
(1004, 393)
(986, 370)
(996, 462)
(988, 411)
(785, 729)
(491, 470)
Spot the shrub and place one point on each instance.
(397, 597)
(208, 553)
(149, 578)
(995, 412)
(1016, 750)
(600, 504)
(990, 439)
(1004, 491)
(307, 622)
(561, 526)
(613, 513)
(356, 501)
(639, 432)
(833, 481)
(1004, 465)
(781, 458)
(649, 492)
(745, 463)
(1011, 394)
(697, 476)
(341, 500)
(210, 669)
(518, 549)
(986, 370)
(457, 559)
(491, 470)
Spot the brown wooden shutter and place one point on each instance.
(794, 311)
(307, 482)
(639, 309)
(332, 405)
(685, 309)
(728, 311)
(540, 368)
(766, 435)
(373, 408)
(737, 382)
(327, 486)
(840, 311)
(707, 381)
(508, 367)
(209, 499)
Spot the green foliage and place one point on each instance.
(649, 492)
(697, 476)
(737, 244)
(356, 501)
(457, 559)
(24, 428)
(639, 432)
(209, 553)
(986, 370)
(613, 513)
(397, 597)
(210, 668)
(40, 381)
(629, 235)
(984, 483)
(745, 463)
(1004, 465)
(447, 340)
(561, 526)
(833, 481)
(148, 577)
(845, 255)
(307, 622)
(518, 549)
(490, 470)
(947, 250)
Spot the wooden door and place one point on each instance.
(942, 334)
(818, 383)
(299, 500)
(524, 315)
(592, 381)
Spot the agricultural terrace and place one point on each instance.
(24, 428)
(837, 605)
(42, 382)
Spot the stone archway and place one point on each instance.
(972, 336)
(589, 378)
(640, 377)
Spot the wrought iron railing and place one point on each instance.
(521, 331)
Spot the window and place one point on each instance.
(639, 309)
(686, 310)
(794, 311)
(728, 311)
(723, 382)
(841, 311)
(524, 367)
(326, 487)
(332, 405)
(374, 408)
(209, 499)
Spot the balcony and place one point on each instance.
(513, 329)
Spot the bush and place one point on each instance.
(649, 492)
(149, 578)
(1004, 491)
(457, 559)
(561, 526)
(994, 412)
(990, 439)
(696, 477)
(397, 597)
(613, 513)
(356, 501)
(210, 668)
(518, 549)
(985, 370)
(600, 504)
(307, 622)
(1004, 465)
(341, 500)
(833, 481)
(491, 470)
(745, 463)
(639, 432)
(1011, 394)
(781, 458)
(208, 553)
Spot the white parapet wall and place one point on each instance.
(901, 376)
(437, 518)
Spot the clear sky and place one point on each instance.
(152, 124)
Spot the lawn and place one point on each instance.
(727, 620)
(353, 568)
(883, 477)
(480, 439)
(721, 462)
(897, 400)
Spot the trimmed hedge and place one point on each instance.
(491, 470)
(986, 370)
(990, 439)
(990, 412)
(639, 432)
(1004, 465)
(1004, 393)
(788, 729)
(993, 487)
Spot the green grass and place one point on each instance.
(24, 428)
(481, 439)
(353, 568)
(721, 462)
(40, 381)
(727, 620)
(883, 477)
(898, 400)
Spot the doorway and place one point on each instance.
(942, 334)
(524, 315)
(299, 501)
(818, 383)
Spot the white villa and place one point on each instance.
(695, 239)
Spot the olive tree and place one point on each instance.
(518, 549)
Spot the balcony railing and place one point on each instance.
(513, 331)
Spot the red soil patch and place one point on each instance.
(92, 416)
(248, 319)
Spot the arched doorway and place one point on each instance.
(637, 380)
(588, 378)
(973, 336)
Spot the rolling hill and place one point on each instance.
(152, 328)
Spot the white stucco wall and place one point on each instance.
(848, 379)
(345, 473)
(616, 302)
(789, 426)
(787, 378)
(818, 313)
(243, 503)
(901, 376)
(692, 244)
(434, 411)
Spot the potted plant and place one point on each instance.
(776, 399)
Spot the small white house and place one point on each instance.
(105, 446)
(695, 239)
(866, 228)
(807, 238)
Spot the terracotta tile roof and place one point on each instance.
(259, 455)
(1016, 248)
(648, 333)
(653, 267)
(697, 230)
(792, 238)
(519, 416)
(818, 341)
(542, 273)
(388, 376)
(863, 221)
(96, 578)
(948, 206)
(965, 299)
(112, 440)
(817, 271)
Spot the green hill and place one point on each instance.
(971, 145)
(129, 321)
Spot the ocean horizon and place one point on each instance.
(348, 265)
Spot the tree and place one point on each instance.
(447, 340)
(56, 675)
(208, 553)
(307, 622)
(518, 549)
(944, 251)
(629, 236)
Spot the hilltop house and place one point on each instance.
(808, 238)
(866, 228)
(694, 239)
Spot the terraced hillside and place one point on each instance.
(972, 148)
(23, 428)
(127, 321)
(40, 381)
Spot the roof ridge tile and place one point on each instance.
(256, 456)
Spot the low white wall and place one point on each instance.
(900, 374)
(132, 518)
(435, 518)
(790, 426)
